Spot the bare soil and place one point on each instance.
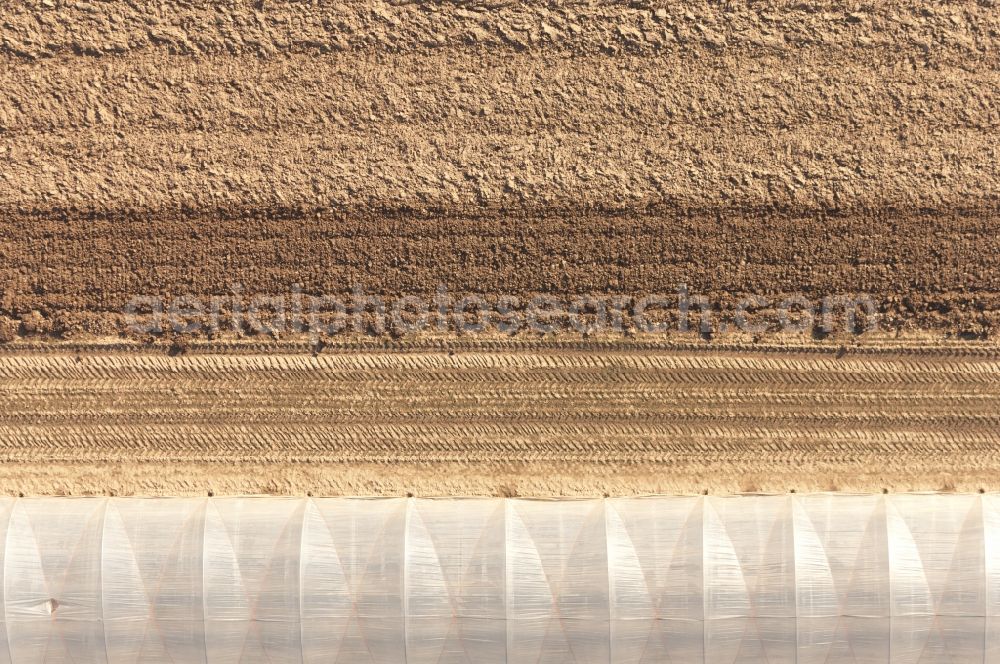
(501, 147)
(507, 148)
(477, 418)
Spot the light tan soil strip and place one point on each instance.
(546, 421)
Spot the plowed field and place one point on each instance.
(774, 150)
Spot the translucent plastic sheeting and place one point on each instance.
(815, 578)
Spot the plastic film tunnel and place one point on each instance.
(800, 578)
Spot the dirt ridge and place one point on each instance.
(265, 29)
